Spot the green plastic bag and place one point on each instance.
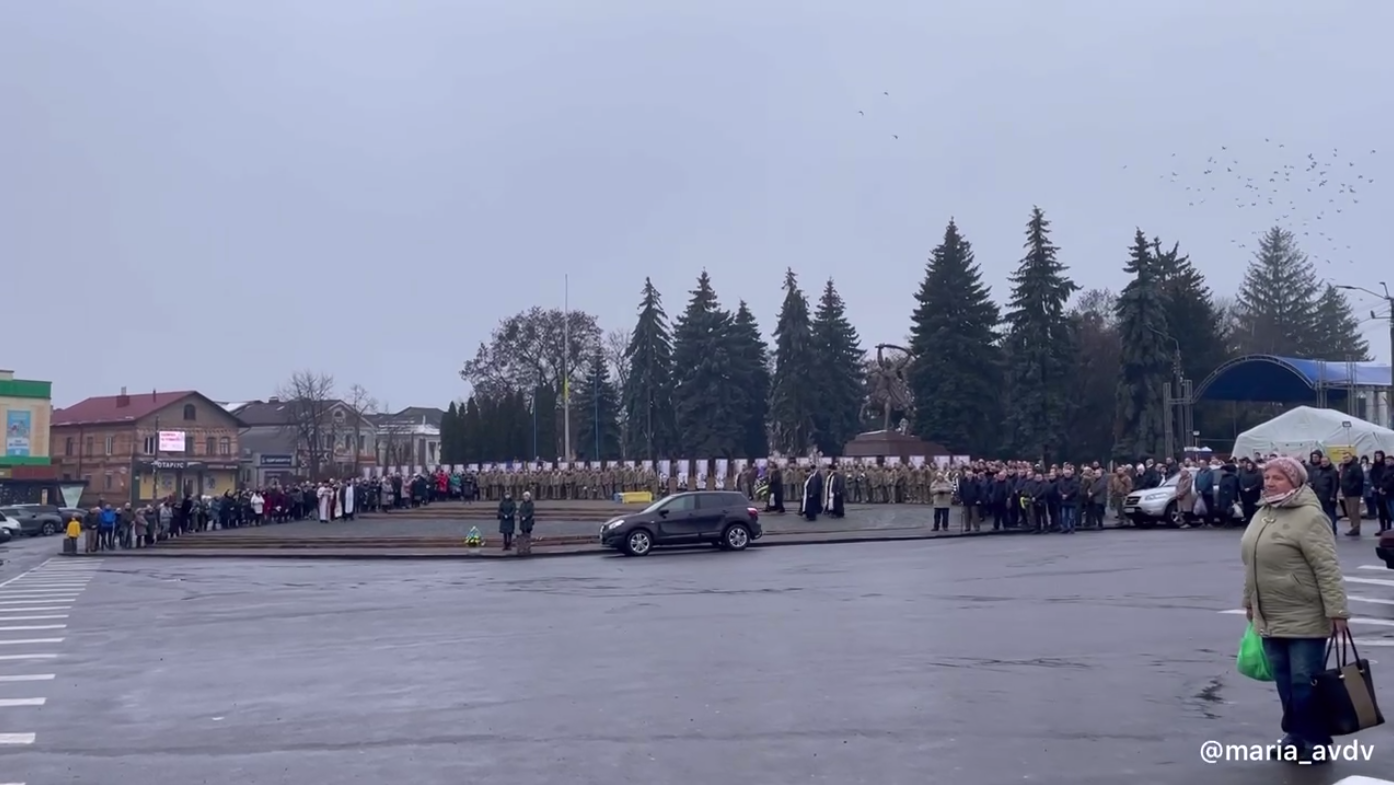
(1252, 661)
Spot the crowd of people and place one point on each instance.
(1002, 495)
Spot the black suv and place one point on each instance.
(725, 519)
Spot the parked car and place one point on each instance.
(35, 519)
(1149, 506)
(1384, 548)
(9, 529)
(725, 519)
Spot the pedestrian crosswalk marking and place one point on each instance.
(12, 703)
(30, 677)
(1372, 567)
(1352, 620)
(1370, 581)
(1374, 600)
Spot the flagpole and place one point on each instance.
(565, 367)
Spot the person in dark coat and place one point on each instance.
(1250, 488)
(812, 502)
(508, 511)
(1352, 481)
(1325, 483)
(1227, 494)
(837, 490)
(1379, 501)
(776, 501)
(525, 521)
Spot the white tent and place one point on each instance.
(1300, 430)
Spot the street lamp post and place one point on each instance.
(1389, 303)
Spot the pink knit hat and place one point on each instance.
(1294, 471)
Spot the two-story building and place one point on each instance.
(147, 446)
(285, 440)
(409, 438)
(26, 471)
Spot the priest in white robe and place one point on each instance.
(348, 501)
(323, 495)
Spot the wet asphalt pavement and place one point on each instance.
(1056, 659)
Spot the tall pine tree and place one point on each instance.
(752, 369)
(1337, 334)
(595, 408)
(1139, 424)
(953, 336)
(793, 389)
(1039, 346)
(839, 360)
(711, 422)
(648, 394)
(1276, 310)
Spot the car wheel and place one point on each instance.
(736, 537)
(1173, 515)
(49, 529)
(638, 543)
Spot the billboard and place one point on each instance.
(171, 441)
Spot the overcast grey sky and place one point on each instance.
(211, 195)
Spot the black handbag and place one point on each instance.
(1346, 693)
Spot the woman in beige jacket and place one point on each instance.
(1293, 595)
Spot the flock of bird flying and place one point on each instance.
(1309, 193)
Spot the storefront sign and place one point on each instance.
(276, 460)
(171, 441)
(190, 466)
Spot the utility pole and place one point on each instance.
(565, 367)
(1388, 303)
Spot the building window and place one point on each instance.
(362, 444)
(110, 445)
(106, 481)
(151, 442)
(67, 477)
(188, 444)
(87, 448)
(225, 446)
(87, 478)
(190, 413)
(210, 445)
(68, 446)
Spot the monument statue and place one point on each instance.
(888, 387)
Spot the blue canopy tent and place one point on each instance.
(1288, 380)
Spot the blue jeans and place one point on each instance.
(1069, 517)
(1295, 661)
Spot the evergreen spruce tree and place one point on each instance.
(1277, 306)
(1337, 335)
(794, 397)
(953, 335)
(841, 374)
(472, 433)
(706, 401)
(1139, 424)
(648, 395)
(1193, 321)
(594, 410)
(450, 440)
(752, 368)
(1039, 346)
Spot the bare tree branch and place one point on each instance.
(309, 399)
(362, 404)
(394, 442)
(532, 349)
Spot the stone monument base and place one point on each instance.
(874, 444)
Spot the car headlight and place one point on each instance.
(613, 525)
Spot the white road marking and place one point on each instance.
(36, 618)
(30, 641)
(1352, 780)
(19, 602)
(14, 703)
(37, 609)
(28, 656)
(14, 592)
(34, 627)
(30, 677)
(1370, 581)
(28, 584)
(1372, 567)
(1375, 600)
(16, 738)
(1352, 620)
